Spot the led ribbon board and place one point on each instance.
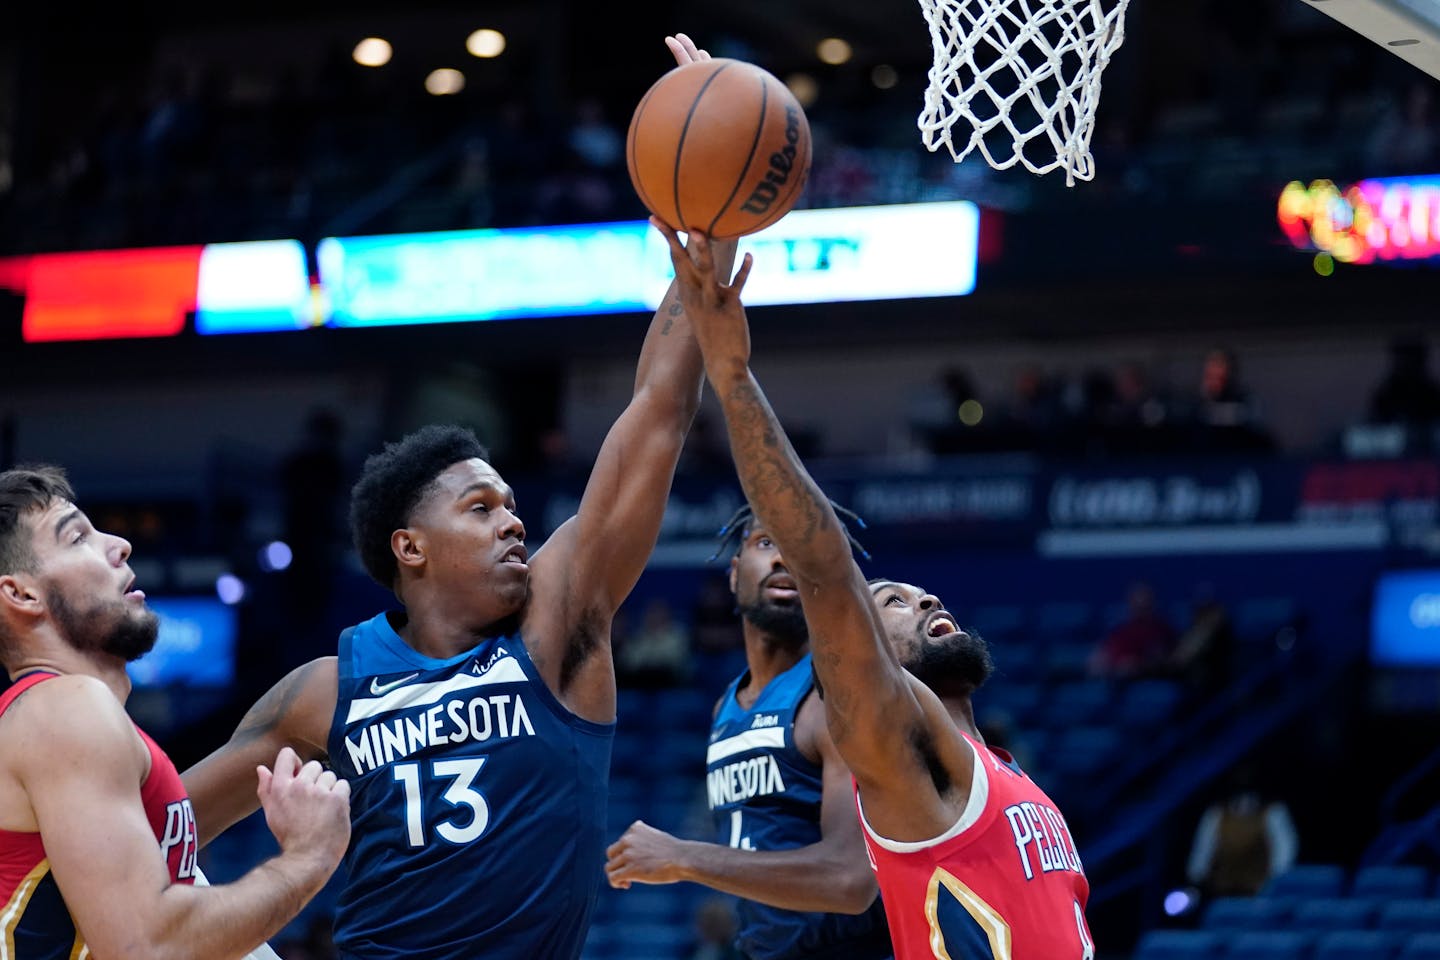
(151, 292)
(811, 256)
(107, 294)
(1395, 218)
(249, 287)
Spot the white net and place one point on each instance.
(1023, 76)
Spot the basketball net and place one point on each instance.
(1017, 71)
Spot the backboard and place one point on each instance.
(1410, 29)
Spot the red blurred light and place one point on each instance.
(110, 294)
(14, 274)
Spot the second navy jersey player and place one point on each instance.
(454, 765)
(765, 794)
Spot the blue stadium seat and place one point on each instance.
(1421, 946)
(1402, 916)
(679, 752)
(1336, 913)
(1268, 945)
(1148, 702)
(1018, 661)
(1307, 880)
(1355, 945)
(1178, 945)
(1083, 750)
(655, 941)
(685, 708)
(641, 905)
(1066, 621)
(1068, 659)
(1018, 701)
(1391, 882)
(996, 623)
(633, 704)
(1259, 617)
(1077, 702)
(1246, 913)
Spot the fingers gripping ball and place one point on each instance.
(720, 146)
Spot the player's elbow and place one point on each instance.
(855, 889)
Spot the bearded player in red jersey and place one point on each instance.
(973, 859)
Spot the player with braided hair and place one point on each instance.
(778, 791)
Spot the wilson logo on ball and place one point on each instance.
(782, 162)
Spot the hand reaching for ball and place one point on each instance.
(685, 50)
(717, 145)
(716, 314)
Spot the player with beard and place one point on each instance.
(779, 793)
(97, 841)
(972, 857)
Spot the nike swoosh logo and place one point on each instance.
(377, 688)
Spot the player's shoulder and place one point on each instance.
(65, 702)
(304, 699)
(73, 715)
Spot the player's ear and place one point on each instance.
(735, 567)
(18, 594)
(408, 547)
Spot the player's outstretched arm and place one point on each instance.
(85, 790)
(781, 878)
(588, 567)
(879, 720)
(295, 713)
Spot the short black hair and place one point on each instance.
(734, 532)
(26, 489)
(393, 481)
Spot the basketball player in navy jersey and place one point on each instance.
(475, 723)
(778, 791)
(97, 840)
(973, 859)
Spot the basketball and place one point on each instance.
(719, 145)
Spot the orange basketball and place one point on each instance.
(720, 146)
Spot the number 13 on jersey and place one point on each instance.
(460, 793)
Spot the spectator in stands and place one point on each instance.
(719, 640)
(1206, 647)
(1223, 401)
(1137, 403)
(1241, 841)
(658, 654)
(594, 139)
(1032, 416)
(1224, 416)
(1408, 394)
(706, 453)
(935, 412)
(715, 931)
(315, 944)
(1139, 645)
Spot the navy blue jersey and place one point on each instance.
(765, 795)
(477, 805)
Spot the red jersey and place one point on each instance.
(1005, 882)
(34, 917)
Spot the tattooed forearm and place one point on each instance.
(671, 313)
(784, 497)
